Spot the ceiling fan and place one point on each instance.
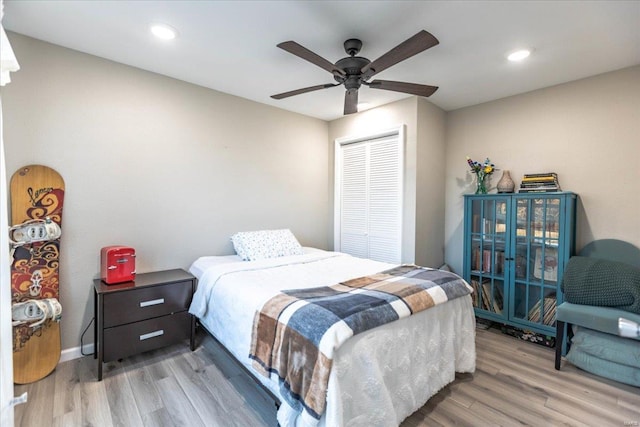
(354, 71)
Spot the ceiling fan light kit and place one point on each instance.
(354, 71)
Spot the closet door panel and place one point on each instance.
(385, 201)
(371, 199)
(353, 219)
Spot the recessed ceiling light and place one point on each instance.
(163, 31)
(519, 55)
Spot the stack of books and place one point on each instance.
(539, 182)
(535, 315)
(481, 296)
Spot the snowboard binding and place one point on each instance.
(35, 312)
(34, 230)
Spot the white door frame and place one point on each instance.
(8, 63)
(6, 331)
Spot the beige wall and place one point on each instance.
(430, 175)
(167, 167)
(588, 131)
(424, 141)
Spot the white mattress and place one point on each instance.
(378, 377)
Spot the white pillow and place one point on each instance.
(263, 244)
(236, 239)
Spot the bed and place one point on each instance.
(378, 377)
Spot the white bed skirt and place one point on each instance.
(382, 376)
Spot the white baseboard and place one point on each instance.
(75, 353)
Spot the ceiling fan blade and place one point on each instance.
(304, 53)
(412, 46)
(303, 90)
(412, 88)
(351, 101)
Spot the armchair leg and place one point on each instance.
(559, 342)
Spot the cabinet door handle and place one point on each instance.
(152, 334)
(152, 302)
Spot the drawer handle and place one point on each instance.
(152, 334)
(152, 302)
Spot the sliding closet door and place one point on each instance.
(369, 185)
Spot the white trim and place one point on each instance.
(400, 131)
(75, 353)
(396, 130)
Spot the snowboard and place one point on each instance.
(37, 193)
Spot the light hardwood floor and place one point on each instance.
(514, 385)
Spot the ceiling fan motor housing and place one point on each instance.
(352, 66)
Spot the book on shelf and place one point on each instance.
(550, 312)
(486, 261)
(475, 259)
(498, 300)
(538, 184)
(486, 296)
(481, 294)
(541, 175)
(477, 293)
(499, 262)
(542, 189)
(546, 179)
(481, 260)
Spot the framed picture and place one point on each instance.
(549, 265)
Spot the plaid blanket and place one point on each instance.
(296, 332)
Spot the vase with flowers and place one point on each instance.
(482, 171)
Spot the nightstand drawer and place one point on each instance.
(134, 338)
(145, 303)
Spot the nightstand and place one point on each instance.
(146, 314)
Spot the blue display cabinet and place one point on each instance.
(515, 249)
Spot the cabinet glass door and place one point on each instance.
(488, 245)
(536, 260)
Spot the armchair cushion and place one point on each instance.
(603, 319)
(598, 282)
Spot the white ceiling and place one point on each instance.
(230, 46)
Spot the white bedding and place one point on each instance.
(378, 377)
